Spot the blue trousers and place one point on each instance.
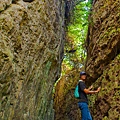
(85, 113)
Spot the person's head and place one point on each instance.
(83, 75)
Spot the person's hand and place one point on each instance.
(98, 89)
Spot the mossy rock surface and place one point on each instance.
(102, 67)
(104, 38)
(103, 60)
(31, 51)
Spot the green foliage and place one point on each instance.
(75, 52)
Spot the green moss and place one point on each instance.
(105, 118)
(47, 68)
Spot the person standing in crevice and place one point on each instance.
(83, 100)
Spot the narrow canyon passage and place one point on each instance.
(102, 64)
(44, 44)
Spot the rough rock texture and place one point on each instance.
(5, 4)
(106, 105)
(31, 50)
(102, 67)
(104, 36)
(103, 61)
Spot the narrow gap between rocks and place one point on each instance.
(74, 56)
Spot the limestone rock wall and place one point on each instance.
(106, 104)
(31, 50)
(103, 61)
(104, 34)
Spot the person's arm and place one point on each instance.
(90, 87)
(88, 91)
